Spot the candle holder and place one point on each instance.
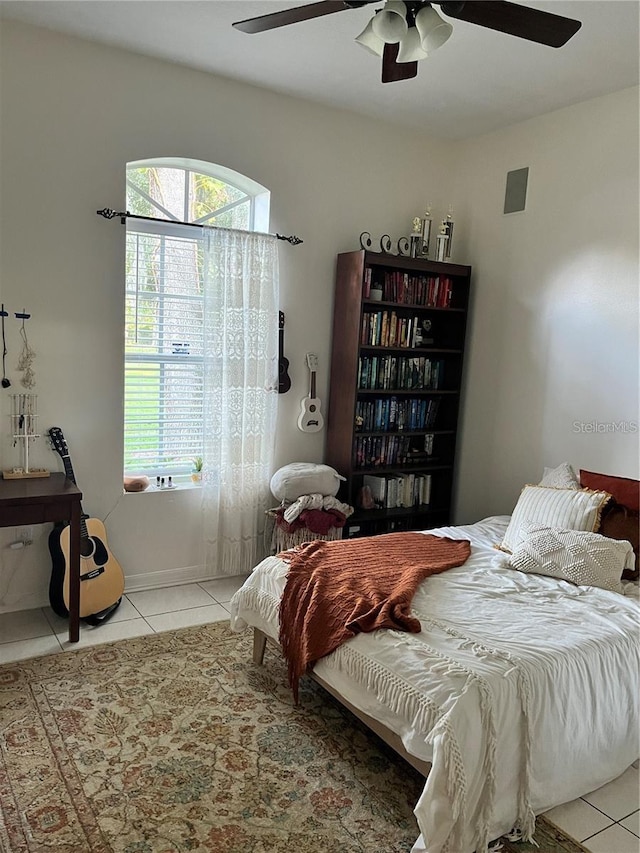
(403, 245)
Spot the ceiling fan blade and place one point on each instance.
(392, 70)
(515, 20)
(293, 16)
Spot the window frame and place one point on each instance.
(259, 209)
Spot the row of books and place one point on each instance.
(432, 291)
(399, 373)
(386, 329)
(401, 490)
(388, 414)
(383, 451)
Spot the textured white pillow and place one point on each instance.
(583, 558)
(304, 478)
(568, 509)
(562, 477)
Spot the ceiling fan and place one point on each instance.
(402, 33)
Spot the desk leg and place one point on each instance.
(74, 574)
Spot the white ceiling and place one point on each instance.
(477, 82)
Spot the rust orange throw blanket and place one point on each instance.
(335, 590)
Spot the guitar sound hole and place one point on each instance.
(94, 548)
(87, 547)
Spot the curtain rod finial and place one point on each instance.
(108, 213)
(295, 241)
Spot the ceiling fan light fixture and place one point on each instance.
(434, 30)
(411, 49)
(390, 24)
(370, 41)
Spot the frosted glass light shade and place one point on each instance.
(411, 48)
(434, 31)
(370, 41)
(390, 24)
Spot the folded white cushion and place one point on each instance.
(568, 509)
(304, 478)
(583, 558)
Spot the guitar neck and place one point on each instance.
(313, 385)
(84, 533)
(68, 468)
(60, 446)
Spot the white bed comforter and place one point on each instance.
(521, 690)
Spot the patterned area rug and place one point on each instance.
(177, 742)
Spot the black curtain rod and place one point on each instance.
(108, 213)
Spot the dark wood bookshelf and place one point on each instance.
(365, 346)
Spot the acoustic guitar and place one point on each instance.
(284, 381)
(310, 418)
(101, 576)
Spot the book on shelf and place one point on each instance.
(387, 329)
(428, 443)
(378, 488)
(428, 291)
(401, 373)
(399, 491)
(389, 414)
(384, 451)
(425, 490)
(366, 283)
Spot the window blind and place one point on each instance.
(163, 349)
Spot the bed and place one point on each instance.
(520, 692)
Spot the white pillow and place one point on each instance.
(569, 509)
(581, 557)
(562, 477)
(304, 478)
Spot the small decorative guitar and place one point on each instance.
(310, 418)
(284, 382)
(101, 577)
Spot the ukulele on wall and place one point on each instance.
(101, 576)
(284, 382)
(310, 418)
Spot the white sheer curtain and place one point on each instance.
(240, 395)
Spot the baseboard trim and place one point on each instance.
(133, 583)
(165, 578)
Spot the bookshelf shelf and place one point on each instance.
(396, 373)
(419, 509)
(390, 392)
(415, 468)
(414, 350)
(407, 432)
(410, 305)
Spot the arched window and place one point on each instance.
(164, 302)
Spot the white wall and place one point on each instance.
(554, 338)
(72, 115)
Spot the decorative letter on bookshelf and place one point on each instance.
(396, 372)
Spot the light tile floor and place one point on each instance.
(605, 821)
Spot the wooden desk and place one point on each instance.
(37, 501)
